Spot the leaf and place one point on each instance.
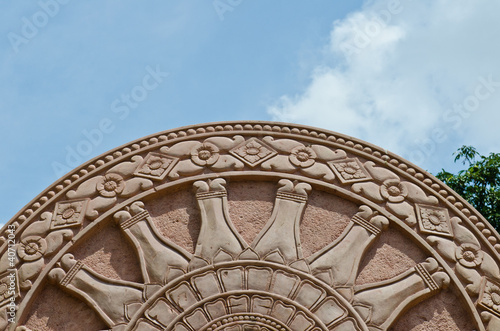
(468, 153)
(479, 183)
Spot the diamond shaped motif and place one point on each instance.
(349, 170)
(9, 287)
(156, 166)
(68, 214)
(434, 220)
(253, 152)
(489, 298)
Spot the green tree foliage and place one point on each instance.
(479, 183)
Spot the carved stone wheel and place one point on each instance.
(249, 226)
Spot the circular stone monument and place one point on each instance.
(249, 226)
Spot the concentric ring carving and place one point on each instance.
(285, 296)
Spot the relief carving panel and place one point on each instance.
(199, 270)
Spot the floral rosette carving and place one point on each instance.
(38, 241)
(117, 182)
(308, 160)
(253, 152)
(349, 170)
(31, 248)
(44, 237)
(69, 214)
(155, 166)
(205, 155)
(434, 220)
(196, 156)
(398, 196)
(489, 300)
(468, 257)
(491, 297)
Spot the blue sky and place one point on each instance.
(417, 78)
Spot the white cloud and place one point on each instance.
(394, 70)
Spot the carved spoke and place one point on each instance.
(218, 240)
(279, 241)
(268, 285)
(160, 259)
(338, 263)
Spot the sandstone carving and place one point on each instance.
(320, 252)
(160, 260)
(267, 276)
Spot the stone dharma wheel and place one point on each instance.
(249, 226)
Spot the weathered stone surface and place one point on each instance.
(250, 226)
